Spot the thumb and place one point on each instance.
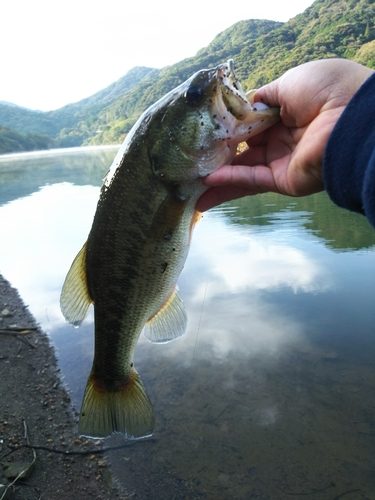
(269, 94)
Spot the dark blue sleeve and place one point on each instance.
(349, 159)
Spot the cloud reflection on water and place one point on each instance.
(229, 278)
(245, 259)
(44, 231)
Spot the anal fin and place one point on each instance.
(169, 322)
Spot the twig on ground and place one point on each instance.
(20, 333)
(82, 452)
(24, 471)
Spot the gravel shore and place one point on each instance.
(35, 409)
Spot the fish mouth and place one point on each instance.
(240, 104)
(232, 94)
(244, 117)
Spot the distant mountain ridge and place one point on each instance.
(11, 104)
(262, 51)
(60, 124)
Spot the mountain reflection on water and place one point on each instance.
(270, 392)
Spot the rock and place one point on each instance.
(21, 469)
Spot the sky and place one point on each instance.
(55, 53)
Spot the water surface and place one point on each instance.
(270, 393)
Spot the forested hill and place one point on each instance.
(262, 51)
(61, 125)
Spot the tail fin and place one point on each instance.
(127, 410)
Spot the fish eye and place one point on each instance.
(194, 95)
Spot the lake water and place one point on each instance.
(270, 394)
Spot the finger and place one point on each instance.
(279, 141)
(218, 195)
(253, 155)
(257, 179)
(269, 94)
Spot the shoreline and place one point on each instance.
(50, 152)
(35, 406)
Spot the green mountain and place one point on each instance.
(262, 51)
(329, 28)
(12, 141)
(62, 124)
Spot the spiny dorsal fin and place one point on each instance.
(75, 298)
(169, 322)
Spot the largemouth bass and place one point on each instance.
(140, 237)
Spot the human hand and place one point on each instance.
(287, 158)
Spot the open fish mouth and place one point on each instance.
(233, 96)
(243, 117)
(239, 104)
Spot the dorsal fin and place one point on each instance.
(75, 298)
(169, 322)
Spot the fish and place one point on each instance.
(140, 236)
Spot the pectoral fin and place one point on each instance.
(168, 323)
(75, 298)
(194, 221)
